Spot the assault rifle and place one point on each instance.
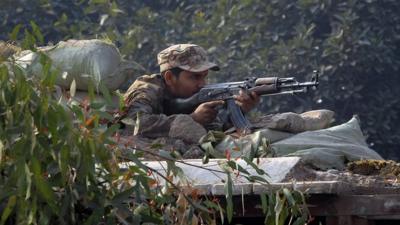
(264, 86)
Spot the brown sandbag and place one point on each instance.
(296, 123)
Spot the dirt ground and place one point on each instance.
(373, 176)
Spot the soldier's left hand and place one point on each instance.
(247, 101)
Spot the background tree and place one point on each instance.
(354, 43)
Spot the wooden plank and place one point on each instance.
(314, 187)
(237, 189)
(198, 173)
(360, 205)
(347, 220)
(309, 187)
(352, 209)
(385, 217)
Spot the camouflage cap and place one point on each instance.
(188, 57)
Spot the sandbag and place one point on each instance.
(323, 149)
(185, 128)
(257, 143)
(84, 61)
(296, 123)
(328, 148)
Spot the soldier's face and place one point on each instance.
(188, 83)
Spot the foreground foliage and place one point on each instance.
(59, 163)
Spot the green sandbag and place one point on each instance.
(323, 149)
(328, 148)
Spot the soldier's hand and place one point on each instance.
(205, 113)
(247, 101)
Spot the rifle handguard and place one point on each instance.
(266, 80)
(265, 89)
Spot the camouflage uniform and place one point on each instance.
(146, 96)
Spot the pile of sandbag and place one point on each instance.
(307, 135)
(85, 61)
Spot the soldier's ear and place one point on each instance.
(169, 77)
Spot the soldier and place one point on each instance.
(183, 72)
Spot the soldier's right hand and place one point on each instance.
(205, 113)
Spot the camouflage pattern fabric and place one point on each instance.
(145, 98)
(188, 57)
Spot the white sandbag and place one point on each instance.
(85, 61)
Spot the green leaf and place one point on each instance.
(95, 217)
(255, 167)
(105, 115)
(138, 163)
(29, 41)
(201, 207)
(123, 196)
(72, 88)
(281, 207)
(43, 186)
(2, 149)
(97, 105)
(111, 130)
(209, 149)
(14, 33)
(205, 159)
(228, 195)
(166, 155)
(36, 32)
(137, 124)
(64, 160)
(300, 221)
(106, 94)
(8, 209)
(12, 200)
(28, 176)
(238, 167)
(289, 196)
(98, 1)
(261, 179)
(264, 202)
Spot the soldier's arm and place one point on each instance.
(148, 122)
(144, 107)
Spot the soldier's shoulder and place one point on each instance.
(145, 81)
(146, 84)
(153, 78)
